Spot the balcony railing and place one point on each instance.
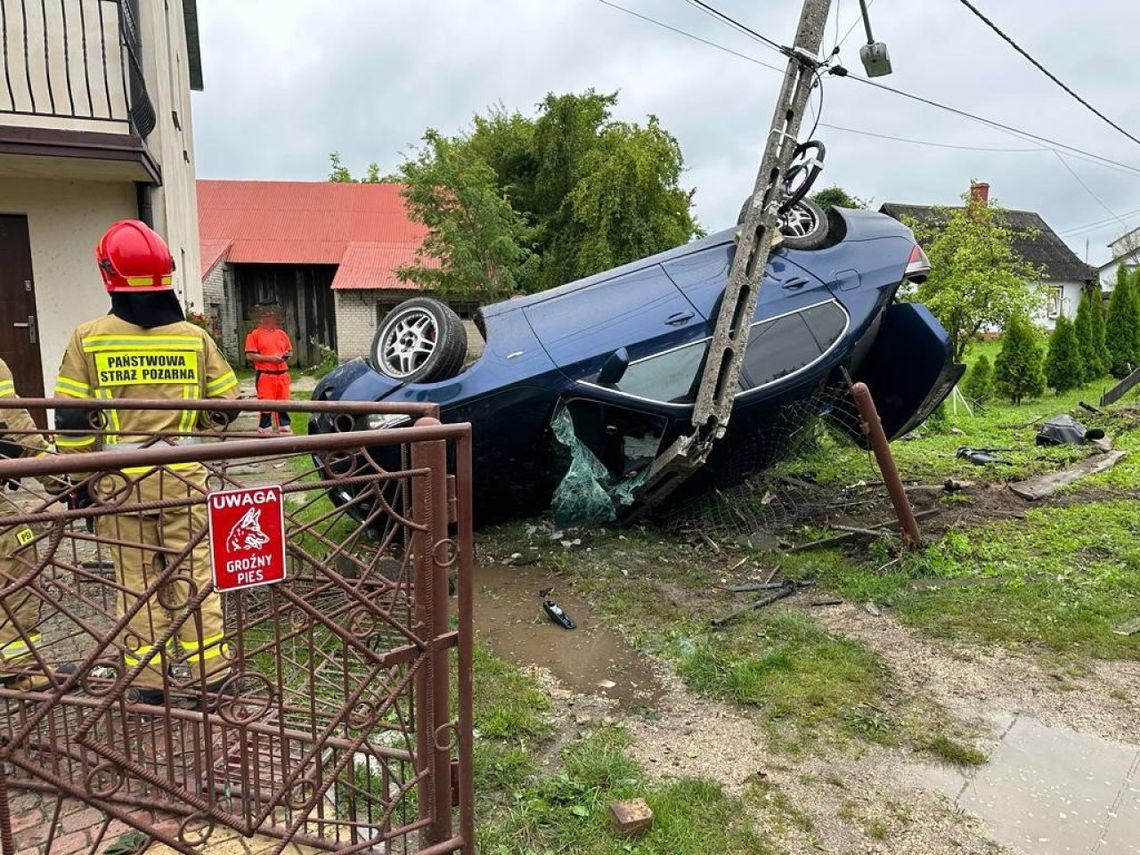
(74, 65)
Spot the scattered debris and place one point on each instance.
(826, 601)
(872, 609)
(555, 612)
(749, 587)
(869, 532)
(738, 564)
(786, 589)
(1089, 407)
(520, 560)
(606, 684)
(1046, 485)
(1065, 430)
(709, 542)
(630, 817)
(1129, 627)
(982, 456)
(851, 535)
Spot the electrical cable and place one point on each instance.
(1071, 151)
(930, 143)
(1088, 190)
(977, 12)
(732, 22)
(692, 36)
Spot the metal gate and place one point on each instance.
(323, 711)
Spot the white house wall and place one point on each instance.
(175, 203)
(65, 221)
(1070, 301)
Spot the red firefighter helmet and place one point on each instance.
(133, 258)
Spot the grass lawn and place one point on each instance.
(521, 810)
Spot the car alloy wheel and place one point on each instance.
(409, 343)
(798, 221)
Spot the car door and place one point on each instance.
(701, 277)
(642, 311)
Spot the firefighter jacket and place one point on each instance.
(112, 359)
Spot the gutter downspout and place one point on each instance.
(144, 204)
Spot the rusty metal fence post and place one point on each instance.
(873, 427)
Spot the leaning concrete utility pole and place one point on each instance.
(717, 389)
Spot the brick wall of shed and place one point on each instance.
(222, 304)
(356, 316)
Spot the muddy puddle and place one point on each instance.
(1052, 790)
(588, 660)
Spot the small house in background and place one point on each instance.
(326, 253)
(1125, 251)
(1065, 275)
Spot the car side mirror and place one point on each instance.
(613, 369)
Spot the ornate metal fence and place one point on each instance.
(139, 705)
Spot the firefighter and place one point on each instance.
(144, 348)
(19, 612)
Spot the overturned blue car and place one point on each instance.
(610, 364)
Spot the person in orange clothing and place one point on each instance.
(268, 347)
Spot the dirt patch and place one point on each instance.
(966, 679)
(812, 804)
(589, 660)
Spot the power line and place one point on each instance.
(1098, 224)
(732, 22)
(1088, 190)
(1072, 151)
(993, 123)
(930, 143)
(689, 35)
(858, 20)
(1044, 70)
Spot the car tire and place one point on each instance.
(420, 341)
(804, 226)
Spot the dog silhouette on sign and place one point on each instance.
(246, 535)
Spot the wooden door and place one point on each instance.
(19, 330)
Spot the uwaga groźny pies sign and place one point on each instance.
(247, 537)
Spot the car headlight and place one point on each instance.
(383, 421)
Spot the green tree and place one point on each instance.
(1086, 345)
(1063, 367)
(585, 193)
(1017, 369)
(1121, 325)
(978, 384)
(1096, 306)
(340, 174)
(977, 279)
(836, 197)
(477, 246)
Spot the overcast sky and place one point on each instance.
(288, 81)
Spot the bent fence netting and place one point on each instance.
(315, 711)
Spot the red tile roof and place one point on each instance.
(361, 227)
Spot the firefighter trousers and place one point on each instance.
(148, 545)
(20, 610)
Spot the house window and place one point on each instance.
(1053, 310)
